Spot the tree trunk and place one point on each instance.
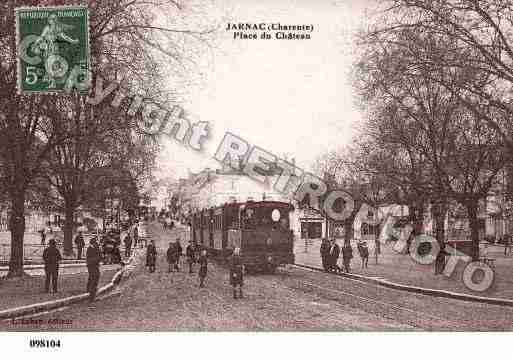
(17, 228)
(416, 218)
(474, 228)
(348, 230)
(69, 213)
(439, 211)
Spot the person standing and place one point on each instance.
(43, 237)
(440, 260)
(334, 253)
(203, 267)
(363, 250)
(151, 256)
(51, 258)
(325, 248)
(171, 257)
(190, 253)
(179, 252)
(347, 255)
(79, 242)
(93, 258)
(236, 273)
(507, 245)
(377, 249)
(128, 244)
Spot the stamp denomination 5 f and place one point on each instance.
(52, 48)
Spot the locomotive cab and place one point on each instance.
(266, 241)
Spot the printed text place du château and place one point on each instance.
(267, 31)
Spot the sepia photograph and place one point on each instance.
(306, 168)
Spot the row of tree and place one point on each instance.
(66, 152)
(434, 80)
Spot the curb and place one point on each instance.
(420, 290)
(54, 304)
(41, 266)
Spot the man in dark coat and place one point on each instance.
(179, 252)
(236, 273)
(79, 242)
(325, 248)
(93, 258)
(333, 254)
(151, 256)
(171, 256)
(190, 253)
(51, 257)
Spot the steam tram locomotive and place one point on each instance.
(260, 229)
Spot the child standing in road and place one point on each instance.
(203, 267)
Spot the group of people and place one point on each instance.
(330, 253)
(196, 254)
(168, 223)
(52, 258)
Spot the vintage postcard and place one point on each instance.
(255, 166)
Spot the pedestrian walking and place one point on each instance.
(324, 251)
(190, 253)
(128, 244)
(236, 273)
(168, 222)
(51, 258)
(179, 252)
(203, 267)
(93, 258)
(363, 250)
(80, 244)
(377, 249)
(43, 237)
(347, 255)
(151, 256)
(334, 253)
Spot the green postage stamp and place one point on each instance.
(52, 49)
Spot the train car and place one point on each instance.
(260, 229)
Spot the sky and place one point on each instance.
(290, 97)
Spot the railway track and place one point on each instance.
(414, 316)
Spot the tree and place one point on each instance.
(128, 38)
(475, 38)
(418, 109)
